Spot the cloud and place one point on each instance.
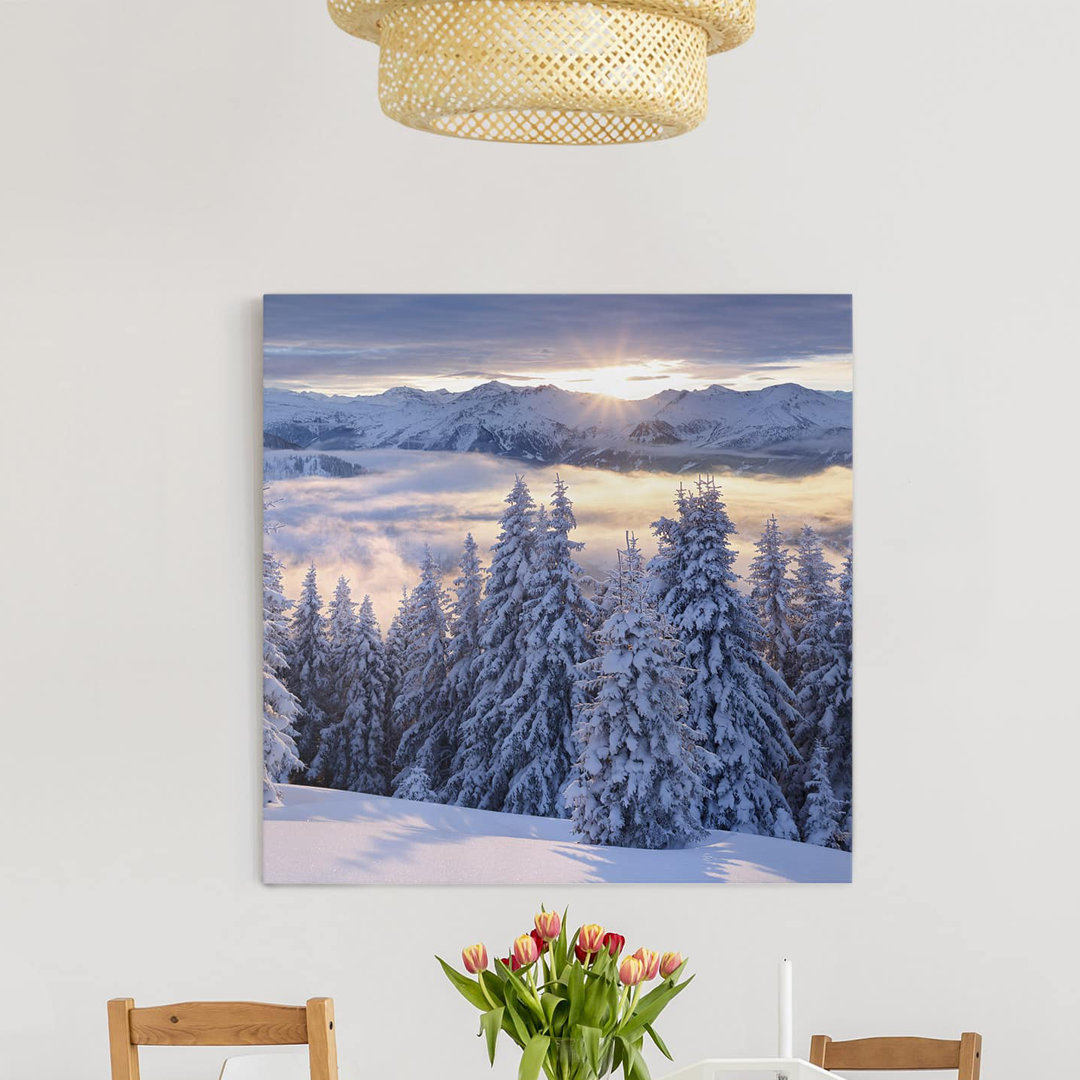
(366, 343)
(374, 528)
(498, 376)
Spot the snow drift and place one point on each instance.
(320, 836)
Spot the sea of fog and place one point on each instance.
(372, 528)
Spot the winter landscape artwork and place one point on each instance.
(557, 589)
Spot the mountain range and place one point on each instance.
(784, 428)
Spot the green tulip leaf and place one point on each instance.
(520, 1028)
(609, 1013)
(659, 1042)
(532, 1057)
(523, 995)
(550, 1003)
(560, 1018)
(575, 990)
(650, 1007)
(601, 999)
(634, 1067)
(468, 989)
(590, 1037)
(491, 1022)
(592, 1007)
(558, 950)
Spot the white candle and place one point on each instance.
(784, 1040)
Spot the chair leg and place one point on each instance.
(322, 1040)
(123, 1055)
(817, 1050)
(970, 1056)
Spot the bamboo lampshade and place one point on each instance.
(546, 71)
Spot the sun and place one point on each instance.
(630, 380)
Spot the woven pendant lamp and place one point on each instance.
(546, 71)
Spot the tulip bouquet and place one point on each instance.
(573, 1003)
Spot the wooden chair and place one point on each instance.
(961, 1054)
(222, 1023)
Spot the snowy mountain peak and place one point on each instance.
(407, 393)
(492, 386)
(786, 427)
(785, 390)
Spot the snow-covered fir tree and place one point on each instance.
(332, 766)
(421, 709)
(822, 811)
(605, 592)
(824, 696)
(464, 645)
(397, 649)
(308, 674)
(280, 707)
(638, 781)
(770, 592)
(837, 733)
(536, 745)
(822, 688)
(365, 717)
(812, 590)
(815, 606)
(771, 595)
(499, 665)
(412, 783)
(744, 742)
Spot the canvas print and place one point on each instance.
(557, 588)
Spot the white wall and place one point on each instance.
(164, 165)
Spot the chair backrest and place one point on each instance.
(222, 1023)
(963, 1054)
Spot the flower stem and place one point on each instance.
(621, 1015)
(530, 982)
(483, 990)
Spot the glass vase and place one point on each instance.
(568, 1059)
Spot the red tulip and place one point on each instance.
(475, 959)
(511, 963)
(614, 943)
(548, 925)
(541, 944)
(631, 971)
(670, 962)
(650, 961)
(526, 951)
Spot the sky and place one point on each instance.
(625, 345)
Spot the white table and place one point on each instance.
(294, 1066)
(750, 1069)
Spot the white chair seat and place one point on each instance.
(290, 1065)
